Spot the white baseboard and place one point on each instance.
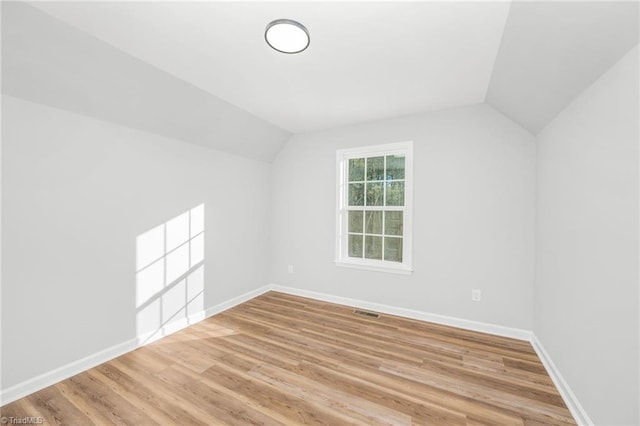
(61, 373)
(178, 325)
(570, 399)
(576, 409)
(49, 378)
(220, 307)
(497, 330)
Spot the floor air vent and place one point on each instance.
(366, 313)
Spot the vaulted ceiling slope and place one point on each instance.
(551, 51)
(175, 62)
(366, 61)
(50, 62)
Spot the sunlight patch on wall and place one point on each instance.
(170, 275)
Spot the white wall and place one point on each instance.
(586, 289)
(76, 194)
(50, 62)
(473, 216)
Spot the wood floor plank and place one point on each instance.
(224, 406)
(494, 395)
(282, 359)
(297, 410)
(169, 396)
(409, 324)
(161, 410)
(93, 410)
(421, 411)
(425, 394)
(55, 408)
(23, 408)
(337, 399)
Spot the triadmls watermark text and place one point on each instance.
(10, 420)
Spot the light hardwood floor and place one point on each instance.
(281, 359)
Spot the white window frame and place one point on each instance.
(342, 164)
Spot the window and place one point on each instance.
(374, 207)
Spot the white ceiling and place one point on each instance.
(551, 51)
(48, 61)
(366, 60)
(372, 60)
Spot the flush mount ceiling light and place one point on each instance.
(287, 36)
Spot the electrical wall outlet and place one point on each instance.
(290, 269)
(476, 295)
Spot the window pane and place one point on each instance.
(355, 221)
(393, 223)
(375, 168)
(395, 167)
(356, 169)
(374, 194)
(373, 247)
(356, 194)
(393, 249)
(355, 245)
(373, 223)
(395, 194)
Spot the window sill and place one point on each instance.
(400, 269)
